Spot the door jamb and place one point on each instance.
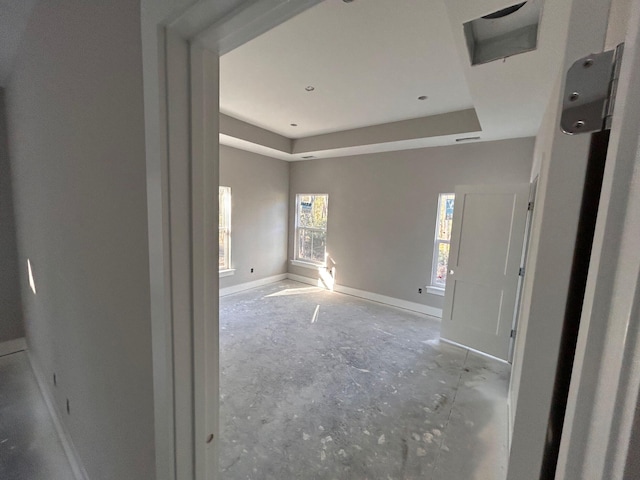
(181, 181)
(602, 421)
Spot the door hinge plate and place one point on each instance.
(589, 93)
(521, 272)
(513, 334)
(530, 206)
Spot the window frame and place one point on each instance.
(436, 283)
(225, 269)
(297, 260)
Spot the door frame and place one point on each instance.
(523, 265)
(181, 85)
(173, 91)
(602, 424)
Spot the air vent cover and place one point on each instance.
(509, 31)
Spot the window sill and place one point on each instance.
(303, 264)
(433, 290)
(226, 273)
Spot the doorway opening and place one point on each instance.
(362, 243)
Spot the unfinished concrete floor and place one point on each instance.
(319, 385)
(30, 448)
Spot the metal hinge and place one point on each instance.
(590, 92)
(530, 206)
(513, 333)
(521, 272)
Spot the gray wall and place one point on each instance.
(76, 138)
(259, 214)
(382, 208)
(10, 302)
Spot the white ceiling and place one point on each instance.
(14, 15)
(369, 60)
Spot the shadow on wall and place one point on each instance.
(11, 317)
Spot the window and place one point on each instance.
(311, 228)
(443, 238)
(224, 228)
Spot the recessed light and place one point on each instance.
(422, 97)
(310, 88)
(293, 124)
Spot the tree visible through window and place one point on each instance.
(311, 227)
(224, 228)
(442, 240)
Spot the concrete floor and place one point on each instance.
(319, 385)
(29, 445)
(315, 385)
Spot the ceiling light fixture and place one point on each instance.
(293, 124)
(310, 88)
(422, 97)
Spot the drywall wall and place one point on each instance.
(259, 214)
(10, 302)
(382, 209)
(76, 139)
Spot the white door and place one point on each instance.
(484, 263)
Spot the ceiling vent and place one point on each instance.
(509, 31)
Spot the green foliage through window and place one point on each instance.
(311, 227)
(444, 224)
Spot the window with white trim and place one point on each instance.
(442, 240)
(311, 228)
(224, 228)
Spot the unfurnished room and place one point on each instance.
(426, 263)
(349, 135)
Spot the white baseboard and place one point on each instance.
(391, 301)
(307, 280)
(13, 346)
(248, 285)
(78, 469)
(451, 342)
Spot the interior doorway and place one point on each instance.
(195, 442)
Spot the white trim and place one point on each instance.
(303, 264)
(434, 290)
(13, 346)
(302, 279)
(451, 342)
(204, 74)
(79, 472)
(375, 297)
(249, 285)
(602, 411)
(226, 273)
